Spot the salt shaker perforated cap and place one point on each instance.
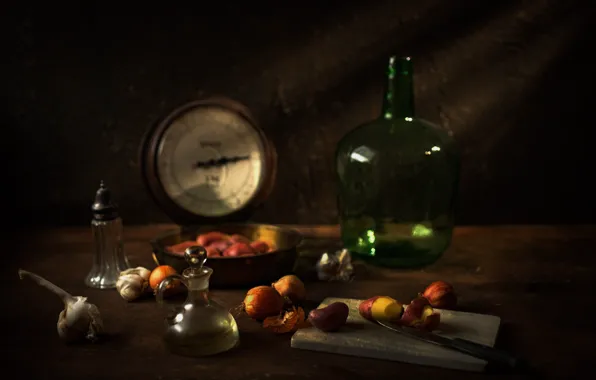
(104, 208)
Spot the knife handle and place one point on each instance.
(481, 351)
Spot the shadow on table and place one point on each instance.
(506, 341)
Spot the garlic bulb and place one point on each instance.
(133, 283)
(131, 286)
(143, 272)
(79, 320)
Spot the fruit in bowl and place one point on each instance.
(219, 244)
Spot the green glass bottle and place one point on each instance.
(398, 177)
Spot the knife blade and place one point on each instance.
(477, 350)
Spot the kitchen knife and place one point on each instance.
(477, 350)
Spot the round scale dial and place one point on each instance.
(210, 161)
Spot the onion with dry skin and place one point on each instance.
(290, 321)
(441, 295)
(159, 274)
(292, 287)
(262, 302)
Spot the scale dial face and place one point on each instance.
(211, 161)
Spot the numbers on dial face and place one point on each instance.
(211, 161)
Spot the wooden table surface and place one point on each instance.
(538, 279)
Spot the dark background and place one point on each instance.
(511, 79)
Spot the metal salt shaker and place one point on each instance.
(109, 258)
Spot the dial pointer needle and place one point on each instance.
(219, 162)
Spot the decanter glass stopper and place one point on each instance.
(195, 256)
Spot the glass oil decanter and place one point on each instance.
(398, 178)
(200, 327)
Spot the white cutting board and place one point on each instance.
(362, 338)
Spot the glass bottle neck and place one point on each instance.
(199, 283)
(200, 297)
(198, 288)
(399, 91)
